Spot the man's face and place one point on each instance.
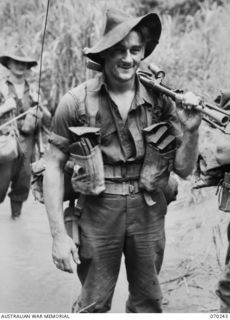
(123, 59)
(18, 68)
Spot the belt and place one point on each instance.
(123, 188)
(129, 171)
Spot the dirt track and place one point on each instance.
(195, 254)
(194, 257)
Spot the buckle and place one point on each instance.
(131, 188)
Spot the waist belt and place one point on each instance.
(122, 172)
(122, 188)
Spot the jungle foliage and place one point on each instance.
(193, 50)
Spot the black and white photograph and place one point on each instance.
(114, 157)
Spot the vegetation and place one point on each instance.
(72, 25)
(195, 53)
(193, 49)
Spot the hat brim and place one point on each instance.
(4, 60)
(150, 21)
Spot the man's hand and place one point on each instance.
(189, 117)
(63, 248)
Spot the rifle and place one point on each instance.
(213, 115)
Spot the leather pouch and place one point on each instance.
(223, 191)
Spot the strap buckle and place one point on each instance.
(131, 188)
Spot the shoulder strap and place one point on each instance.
(87, 101)
(92, 103)
(154, 112)
(4, 89)
(149, 116)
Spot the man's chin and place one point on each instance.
(126, 77)
(19, 74)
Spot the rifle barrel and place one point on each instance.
(16, 118)
(218, 115)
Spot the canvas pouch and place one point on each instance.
(159, 156)
(86, 162)
(9, 145)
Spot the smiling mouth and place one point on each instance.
(126, 67)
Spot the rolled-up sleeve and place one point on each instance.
(65, 117)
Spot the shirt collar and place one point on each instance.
(142, 95)
(10, 82)
(99, 83)
(9, 79)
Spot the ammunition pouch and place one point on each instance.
(223, 192)
(9, 145)
(214, 157)
(38, 168)
(32, 121)
(208, 170)
(86, 162)
(123, 172)
(159, 156)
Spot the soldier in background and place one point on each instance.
(17, 95)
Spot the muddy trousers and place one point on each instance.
(112, 225)
(15, 174)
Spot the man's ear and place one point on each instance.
(143, 53)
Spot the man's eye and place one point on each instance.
(135, 50)
(118, 50)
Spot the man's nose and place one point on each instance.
(127, 56)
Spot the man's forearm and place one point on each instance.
(53, 196)
(187, 153)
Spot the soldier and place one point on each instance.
(16, 97)
(223, 159)
(128, 216)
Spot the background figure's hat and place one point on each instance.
(16, 53)
(118, 25)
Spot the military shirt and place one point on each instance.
(121, 142)
(22, 104)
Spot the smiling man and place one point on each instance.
(126, 218)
